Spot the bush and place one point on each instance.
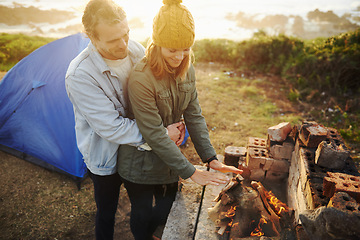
(332, 65)
(267, 54)
(14, 47)
(219, 50)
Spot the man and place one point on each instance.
(96, 85)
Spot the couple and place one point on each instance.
(143, 154)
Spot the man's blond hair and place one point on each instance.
(101, 10)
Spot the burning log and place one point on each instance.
(251, 218)
(274, 218)
(243, 211)
(223, 212)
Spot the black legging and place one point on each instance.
(146, 217)
(106, 191)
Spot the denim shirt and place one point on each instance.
(100, 109)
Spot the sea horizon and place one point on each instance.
(210, 16)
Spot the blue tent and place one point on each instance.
(36, 115)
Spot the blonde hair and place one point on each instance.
(159, 66)
(101, 10)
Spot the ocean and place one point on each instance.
(210, 15)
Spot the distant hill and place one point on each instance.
(34, 21)
(24, 15)
(316, 23)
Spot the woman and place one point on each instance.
(162, 91)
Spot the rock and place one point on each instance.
(327, 223)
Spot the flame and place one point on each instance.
(230, 214)
(275, 203)
(258, 230)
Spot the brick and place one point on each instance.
(299, 144)
(235, 151)
(294, 173)
(275, 176)
(345, 202)
(293, 183)
(302, 205)
(293, 135)
(246, 171)
(341, 182)
(276, 165)
(308, 195)
(334, 134)
(279, 132)
(279, 165)
(257, 174)
(292, 199)
(268, 164)
(256, 142)
(234, 154)
(312, 133)
(303, 165)
(281, 151)
(256, 157)
(330, 155)
(316, 186)
(317, 171)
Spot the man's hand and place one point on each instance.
(205, 177)
(219, 166)
(176, 132)
(181, 128)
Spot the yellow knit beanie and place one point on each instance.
(173, 26)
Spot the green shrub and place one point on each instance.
(332, 65)
(14, 47)
(218, 50)
(267, 54)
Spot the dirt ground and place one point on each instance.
(36, 203)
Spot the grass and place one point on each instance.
(237, 108)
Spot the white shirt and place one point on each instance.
(122, 68)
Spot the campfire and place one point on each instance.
(296, 184)
(320, 181)
(246, 209)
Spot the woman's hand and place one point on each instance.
(205, 177)
(219, 166)
(176, 132)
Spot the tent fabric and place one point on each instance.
(36, 115)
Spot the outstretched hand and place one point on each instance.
(205, 177)
(219, 166)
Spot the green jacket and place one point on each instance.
(157, 103)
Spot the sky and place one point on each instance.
(209, 15)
